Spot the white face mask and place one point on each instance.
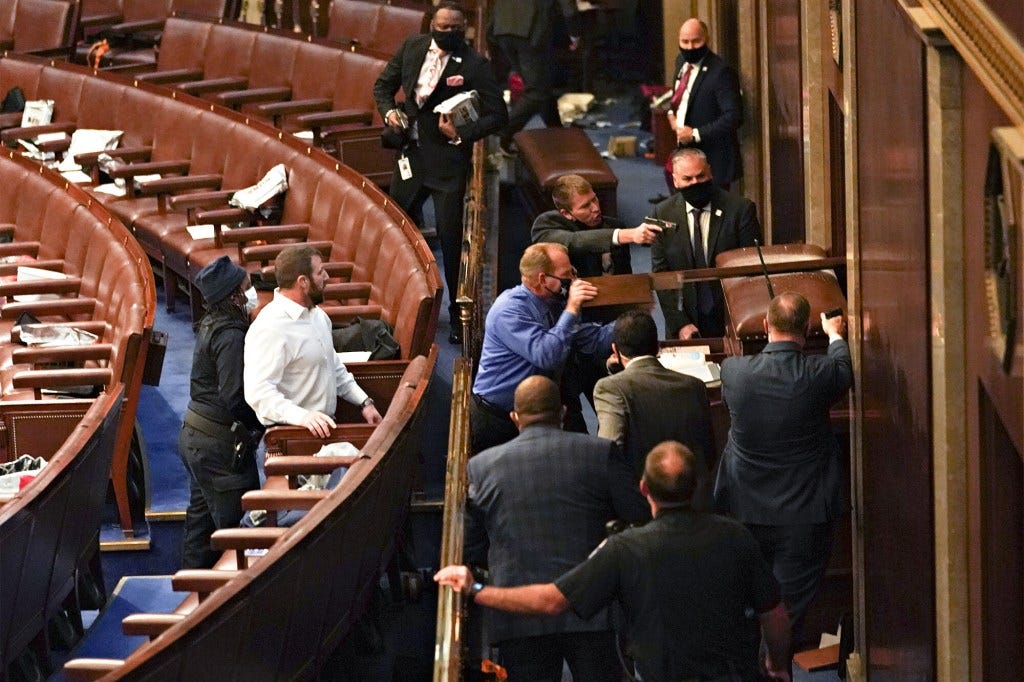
(251, 299)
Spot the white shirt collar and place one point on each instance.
(291, 308)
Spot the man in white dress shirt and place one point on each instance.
(292, 374)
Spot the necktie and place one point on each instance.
(705, 299)
(684, 80)
(433, 75)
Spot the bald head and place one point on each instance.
(670, 474)
(788, 314)
(693, 33)
(537, 400)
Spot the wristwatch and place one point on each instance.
(366, 403)
(474, 590)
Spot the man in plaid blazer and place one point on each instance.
(537, 507)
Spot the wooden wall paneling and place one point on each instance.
(816, 59)
(891, 256)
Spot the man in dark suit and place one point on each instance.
(598, 244)
(647, 403)
(537, 506)
(709, 221)
(706, 108)
(524, 30)
(436, 156)
(781, 471)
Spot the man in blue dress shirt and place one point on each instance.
(533, 328)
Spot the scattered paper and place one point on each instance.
(77, 177)
(204, 231)
(354, 356)
(111, 188)
(273, 183)
(30, 274)
(44, 335)
(38, 112)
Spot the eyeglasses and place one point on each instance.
(575, 275)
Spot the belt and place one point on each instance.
(486, 404)
(209, 427)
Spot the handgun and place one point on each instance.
(663, 224)
(835, 312)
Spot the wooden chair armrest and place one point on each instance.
(277, 437)
(170, 77)
(91, 668)
(126, 154)
(241, 539)
(299, 465)
(335, 270)
(221, 216)
(92, 326)
(8, 229)
(37, 355)
(149, 624)
(342, 314)
(200, 581)
(7, 269)
(58, 378)
(268, 233)
(130, 170)
(282, 500)
(236, 98)
(19, 249)
(295, 106)
(213, 85)
(94, 20)
(179, 183)
(68, 285)
(334, 118)
(60, 145)
(59, 306)
(339, 291)
(184, 202)
(26, 132)
(264, 253)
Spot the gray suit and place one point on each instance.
(537, 507)
(646, 404)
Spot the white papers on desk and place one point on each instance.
(304, 135)
(354, 356)
(77, 177)
(30, 274)
(690, 360)
(111, 188)
(205, 231)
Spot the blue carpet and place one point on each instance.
(104, 638)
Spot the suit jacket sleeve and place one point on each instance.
(475, 540)
(389, 82)
(627, 501)
(842, 369)
(547, 228)
(493, 112)
(661, 261)
(611, 412)
(730, 106)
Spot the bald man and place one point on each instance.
(706, 108)
(537, 506)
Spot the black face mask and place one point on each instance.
(699, 193)
(563, 290)
(449, 41)
(695, 54)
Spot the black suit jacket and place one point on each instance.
(781, 463)
(438, 164)
(733, 225)
(715, 109)
(536, 508)
(586, 244)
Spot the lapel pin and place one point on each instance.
(458, 60)
(718, 213)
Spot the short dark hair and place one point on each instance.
(293, 262)
(449, 5)
(788, 313)
(670, 473)
(537, 397)
(636, 334)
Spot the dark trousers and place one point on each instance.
(488, 425)
(798, 555)
(534, 66)
(410, 195)
(590, 655)
(215, 492)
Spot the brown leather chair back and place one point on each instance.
(183, 44)
(44, 25)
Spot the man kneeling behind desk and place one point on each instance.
(689, 583)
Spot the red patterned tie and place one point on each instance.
(684, 80)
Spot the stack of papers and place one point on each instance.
(691, 360)
(273, 183)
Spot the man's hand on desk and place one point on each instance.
(688, 332)
(579, 291)
(318, 423)
(645, 233)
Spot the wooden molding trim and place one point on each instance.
(992, 52)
